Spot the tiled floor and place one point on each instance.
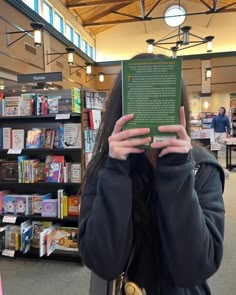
(39, 277)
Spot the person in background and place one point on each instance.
(157, 200)
(221, 126)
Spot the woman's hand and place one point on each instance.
(181, 145)
(123, 143)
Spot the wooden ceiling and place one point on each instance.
(97, 16)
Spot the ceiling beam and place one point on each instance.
(122, 21)
(154, 6)
(206, 4)
(95, 3)
(142, 7)
(106, 12)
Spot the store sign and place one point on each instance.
(40, 77)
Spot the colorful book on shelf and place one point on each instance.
(12, 238)
(12, 106)
(60, 160)
(53, 104)
(37, 202)
(72, 135)
(26, 232)
(94, 119)
(42, 241)
(26, 104)
(38, 226)
(151, 90)
(7, 137)
(76, 100)
(18, 138)
(34, 138)
(23, 204)
(73, 205)
(50, 208)
(66, 238)
(54, 172)
(50, 239)
(65, 105)
(49, 138)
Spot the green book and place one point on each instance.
(151, 90)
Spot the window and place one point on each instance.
(175, 16)
(70, 32)
(77, 41)
(58, 22)
(48, 12)
(85, 46)
(90, 51)
(33, 4)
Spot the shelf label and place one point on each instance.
(9, 253)
(62, 116)
(9, 219)
(14, 151)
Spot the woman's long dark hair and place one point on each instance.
(142, 169)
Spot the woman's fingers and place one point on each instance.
(131, 142)
(179, 129)
(174, 149)
(130, 133)
(170, 142)
(182, 117)
(121, 122)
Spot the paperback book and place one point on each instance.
(151, 90)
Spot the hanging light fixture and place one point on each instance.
(101, 77)
(70, 55)
(180, 41)
(150, 45)
(208, 73)
(209, 43)
(88, 69)
(37, 29)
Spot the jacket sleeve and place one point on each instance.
(191, 220)
(105, 227)
(213, 123)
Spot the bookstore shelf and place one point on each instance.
(38, 153)
(38, 217)
(33, 117)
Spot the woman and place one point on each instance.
(157, 200)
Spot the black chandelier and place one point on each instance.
(183, 41)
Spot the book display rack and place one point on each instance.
(41, 156)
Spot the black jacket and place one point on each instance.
(188, 224)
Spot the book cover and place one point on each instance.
(54, 172)
(12, 106)
(66, 238)
(26, 230)
(42, 241)
(34, 139)
(94, 119)
(38, 226)
(7, 137)
(76, 100)
(49, 208)
(25, 106)
(73, 205)
(50, 240)
(12, 238)
(18, 138)
(53, 104)
(37, 203)
(64, 105)
(72, 135)
(151, 90)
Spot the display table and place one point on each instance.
(230, 144)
